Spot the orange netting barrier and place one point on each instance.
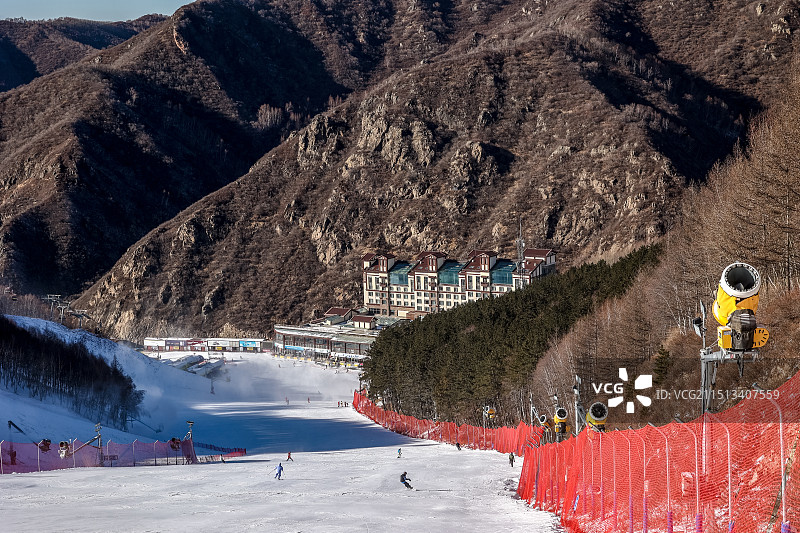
(504, 439)
(731, 471)
(18, 457)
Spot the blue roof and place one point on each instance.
(448, 274)
(398, 274)
(502, 271)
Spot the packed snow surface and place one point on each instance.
(344, 476)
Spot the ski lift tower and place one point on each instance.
(80, 314)
(738, 337)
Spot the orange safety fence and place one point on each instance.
(736, 470)
(504, 439)
(26, 457)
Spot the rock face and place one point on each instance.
(447, 126)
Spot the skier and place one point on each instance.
(458, 446)
(511, 458)
(289, 457)
(404, 479)
(279, 469)
(399, 453)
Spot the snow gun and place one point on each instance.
(63, 446)
(596, 416)
(735, 309)
(738, 336)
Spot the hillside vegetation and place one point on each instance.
(46, 368)
(450, 364)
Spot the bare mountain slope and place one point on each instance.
(98, 153)
(567, 118)
(29, 49)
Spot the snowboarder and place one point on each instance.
(404, 479)
(511, 458)
(458, 446)
(279, 470)
(289, 457)
(399, 453)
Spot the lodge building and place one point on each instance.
(432, 282)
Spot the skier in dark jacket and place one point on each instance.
(511, 458)
(404, 479)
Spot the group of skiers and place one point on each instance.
(342, 404)
(404, 479)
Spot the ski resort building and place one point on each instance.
(432, 282)
(186, 344)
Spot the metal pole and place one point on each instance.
(730, 478)
(591, 488)
(783, 463)
(644, 481)
(614, 468)
(669, 500)
(1, 456)
(602, 494)
(630, 485)
(698, 518)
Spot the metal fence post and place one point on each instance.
(784, 523)
(644, 482)
(591, 487)
(133, 449)
(730, 478)
(614, 468)
(669, 499)
(38, 454)
(602, 493)
(558, 480)
(698, 520)
(1, 456)
(630, 485)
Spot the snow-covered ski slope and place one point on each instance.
(345, 476)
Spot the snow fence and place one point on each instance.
(504, 439)
(735, 471)
(18, 457)
(732, 471)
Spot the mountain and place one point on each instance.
(586, 121)
(29, 49)
(398, 125)
(98, 153)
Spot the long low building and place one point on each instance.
(188, 344)
(339, 343)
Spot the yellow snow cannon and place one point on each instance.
(735, 309)
(596, 416)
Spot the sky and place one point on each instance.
(110, 10)
(344, 476)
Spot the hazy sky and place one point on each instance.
(87, 9)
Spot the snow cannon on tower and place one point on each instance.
(738, 336)
(735, 309)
